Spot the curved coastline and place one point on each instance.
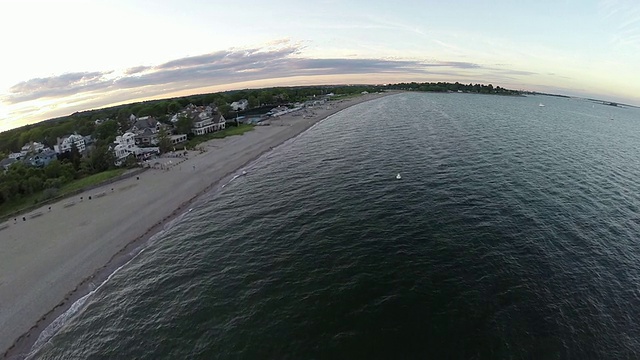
(54, 260)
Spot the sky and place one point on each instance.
(64, 56)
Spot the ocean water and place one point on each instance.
(514, 233)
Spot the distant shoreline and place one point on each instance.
(56, 259)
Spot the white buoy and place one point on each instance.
(398, 176)
(244, 173)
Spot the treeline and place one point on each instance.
(453, 87)
(83, 122)
(22, 180)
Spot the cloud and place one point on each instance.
(57, 86)
(624, 18)
(457, 64)
(280, 60)
(136, 69)
(515, 72)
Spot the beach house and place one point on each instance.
(240, 105)
(43, 158)
(145, 130)
(124, 146)
(66, 143)
(204, 123)
(31, 148)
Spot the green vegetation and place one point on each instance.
(453, 87)
(24, 201)
(230, 131)
(91, 180)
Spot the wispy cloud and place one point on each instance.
(57, 86)
(136, 70)
(625, 17)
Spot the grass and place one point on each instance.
(27, 203)
(15, 206)
(230, 131)
(89, 181)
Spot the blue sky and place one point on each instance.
(65, 56)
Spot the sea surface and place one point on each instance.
(513, 233)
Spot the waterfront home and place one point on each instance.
(43, 158)
(65, 144)
(240, 105)
(125, 145)
(31, 148)
(146, 137)
(145, 122)
(204, 123)
(146, 130)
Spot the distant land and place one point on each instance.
(601, 102)
(289, 95)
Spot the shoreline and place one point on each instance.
(224, 156)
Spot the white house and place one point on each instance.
(31, 147)
(240, 105)
(204, 124)
(64, 144)
(125, 146)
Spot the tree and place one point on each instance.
(224, 109)
(265, 98)
(253, 102)
(131, 161)
(75, 156)
(173, 107)
(184, 125)
(107, 131)
(164, 141)
(100, 159)
(123, 124)
(53, 170)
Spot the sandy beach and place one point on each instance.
(55, 256)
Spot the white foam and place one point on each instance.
(61, 320)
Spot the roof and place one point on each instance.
(218, 118)
(145, 123)
(146, 132)
(48, 152)
(7, 162)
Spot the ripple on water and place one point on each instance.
(512, 234)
